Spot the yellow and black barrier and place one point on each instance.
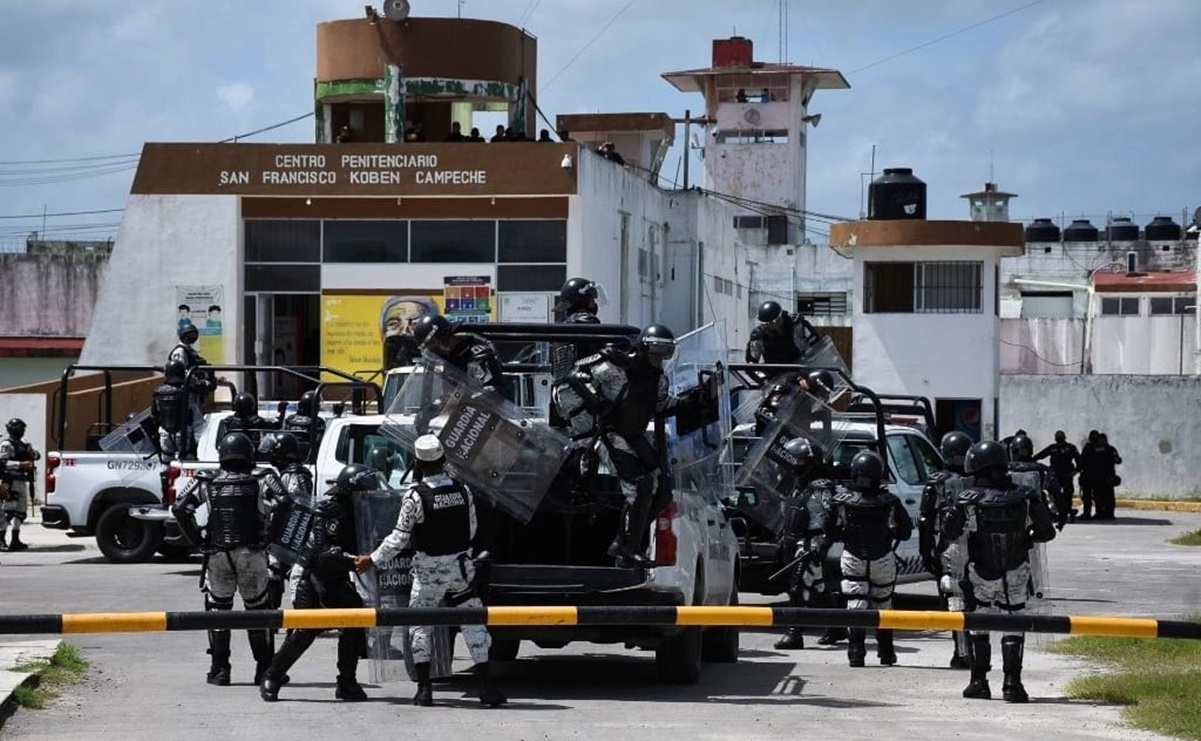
(759, 617)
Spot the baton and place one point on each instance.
(789, 565)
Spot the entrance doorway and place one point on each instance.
(963, 415)
(282, 329)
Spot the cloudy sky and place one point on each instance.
(1083, 107)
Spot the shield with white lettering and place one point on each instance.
(387, 586)
(138, 439)
(505, 454)
(295, 519)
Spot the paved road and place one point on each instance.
(151, 686)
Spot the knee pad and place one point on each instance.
(261, 601)
(214, 603)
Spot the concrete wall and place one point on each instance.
(49, 295)
(1153, 421)
(165, 241)
(22, 371)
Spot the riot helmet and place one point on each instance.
(175, 370)
(1021, 449)
(235, 452)
(431, 328)
(356, 477)
(280, 446)
(657, 344)
(188, 333)
(987, 459)
(954, 448)
(307, 404)
(820, 383)
(15, 428)
(580, 294)
(805, 453)
(245, 405)
(867, 471)
(769, 311)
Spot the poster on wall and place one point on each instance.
(369, 331)
(467, 298)
(525, 307)
(202, 306)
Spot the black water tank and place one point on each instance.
(1162, 228)
(1122, 229)
(1042, 230)
(896, 194)
(1080, 230)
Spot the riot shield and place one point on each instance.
(296, 519)
(769, 471)
(137, 437)
(699, 438)
(388, 586)
(507, 456)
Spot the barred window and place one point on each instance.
(922, 287)
(823, 304)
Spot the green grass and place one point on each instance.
(1155, 680)
(1193, 538)
(64, 668)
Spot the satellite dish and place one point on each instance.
(396, 10)
(751, 116)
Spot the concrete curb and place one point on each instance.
(12, 655)
(1156, 504)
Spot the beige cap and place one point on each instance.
(428, 448)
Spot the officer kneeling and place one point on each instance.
(437, 524)
(1002, 521)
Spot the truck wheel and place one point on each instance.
(678, 659)
(504, 649)
(721, 643)
(122, 539)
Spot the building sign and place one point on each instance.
(468, 298)
(366, 332)
(203, 307)
(525, 307)
(406, 169)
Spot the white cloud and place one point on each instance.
(237, 96)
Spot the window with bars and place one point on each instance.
(823, 304)
(922, 287)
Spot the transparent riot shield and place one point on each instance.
(699, 435)
(388, 586)
(508, 456)
(768, 471)
(823, 354)
(137, 437)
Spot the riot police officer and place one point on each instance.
(467, 351)
(326, 565)
(774, 341)
(306, 424)
(17, 459)
(1000, 518)
(622, 392)
(871, 522)
(943, 557)
(1024, 470)
(437, 524)
(1065, 462)
(780, 389)
(804, 539)
(199, 385)
(246, 419)
(234, 543)
(170, 405)
(579, 302)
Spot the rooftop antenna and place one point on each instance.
(783, 31)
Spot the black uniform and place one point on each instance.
(945, 557)
(1001, 520)
(1065, 462)
(870, 523)
(326, 565)
(234, 543)
(251, 425)
(804, 540)
(476, 356)
(778, 344)
(169, 406)
(1045, 483)
(1098, 472)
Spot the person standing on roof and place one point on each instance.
(775, 340)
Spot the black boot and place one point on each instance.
(276, 675)
(627, 546)
(857, 646)
(4, 541)
(219, 651)
(793, 640)
(885, 650)
(981, 656)
(351, 644)
(489, 695)
(16, 544)
(961, 659)
(1012, 648)
(262, 647)
(425, 688)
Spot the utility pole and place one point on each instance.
(688, 120)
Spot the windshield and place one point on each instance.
(367, 445)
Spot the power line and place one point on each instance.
(528, 13)
(267, 128)
(69, 159)
(64, 213)
(965, 29)
(591, 41)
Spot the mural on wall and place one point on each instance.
(203, 307)
(369, 331)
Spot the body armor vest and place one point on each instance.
(298, 482)
(1030, 475)
(234, 516)
(1001, 541)
(22, 451)
(950, 485)
(868, 530)
(636, 407)
(170, 403)
(779, 347)
(445, 508)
